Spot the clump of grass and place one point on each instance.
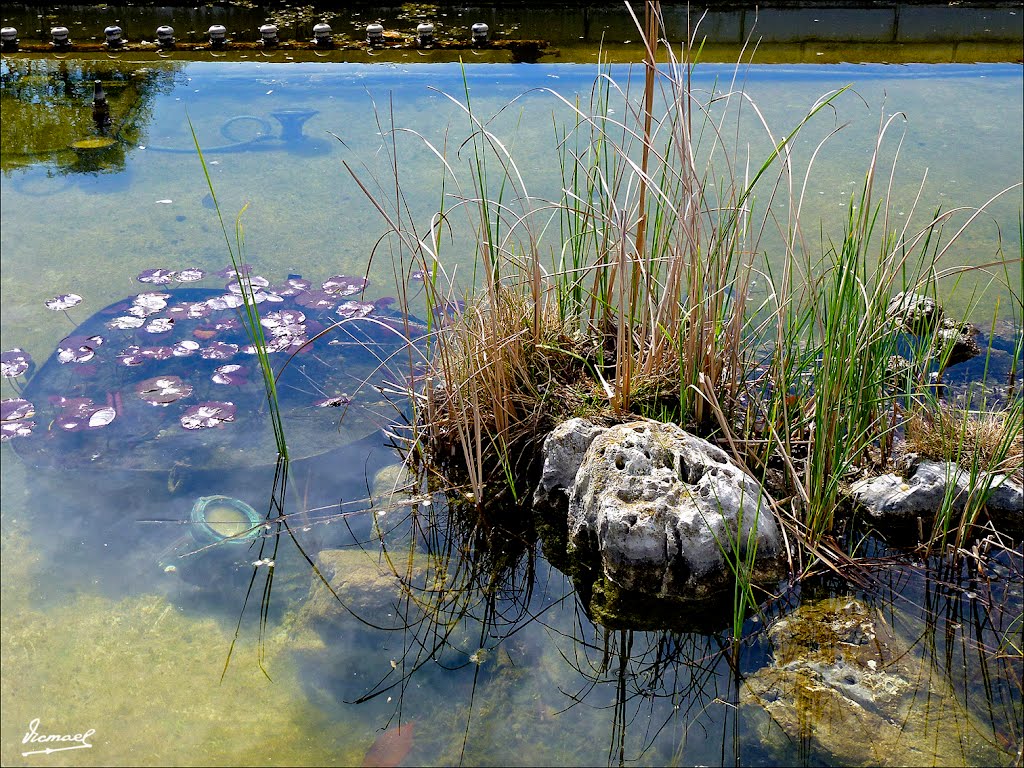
(632, 292)
(992, 441)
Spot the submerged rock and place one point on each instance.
(898, 501)
(847, 688)
(653, 511)
(352, 581)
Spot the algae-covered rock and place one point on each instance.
(846, 685)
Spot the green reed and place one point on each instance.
(250, 317)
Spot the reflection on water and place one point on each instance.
(425, 634)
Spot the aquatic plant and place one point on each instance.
(648, 304)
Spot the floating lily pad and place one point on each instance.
(16, 428)
(78, 349)
(206, 415)
(16, 408)
(14, 363)
(157, 276)
(63, 302)
(229, 375)
(162, 390)
(98, 408)
(341, 285)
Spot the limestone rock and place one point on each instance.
(564, 449)
(364, 583)
(653, 507)
(914, 312)
(957, 342)
(895, 499)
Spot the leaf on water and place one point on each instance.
(101, 417)
(350, 309)
(253, 282)
(229, 270)
(156, 353)
(209, 414)
(190, 275)
(14, 362)
(64, 301)
(316, 300)
(125, 323)
(342, 285)
(11, 429)
(16, 408)
(292, 287)
(231, 375)
(146, 304)
(227, 301)
(162, 390)
(78, 349)
(156, 276)
(185, 348)
(160, 325)
(219, 350)
(78, 413)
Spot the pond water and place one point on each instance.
(453, 640)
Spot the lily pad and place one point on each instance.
(108, 420)
(14, 363)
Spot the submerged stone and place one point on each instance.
(845, 686)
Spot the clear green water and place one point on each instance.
(475, 641)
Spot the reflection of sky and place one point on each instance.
(306, 214)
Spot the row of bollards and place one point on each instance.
(217, 36)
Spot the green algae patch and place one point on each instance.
(846, 685)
